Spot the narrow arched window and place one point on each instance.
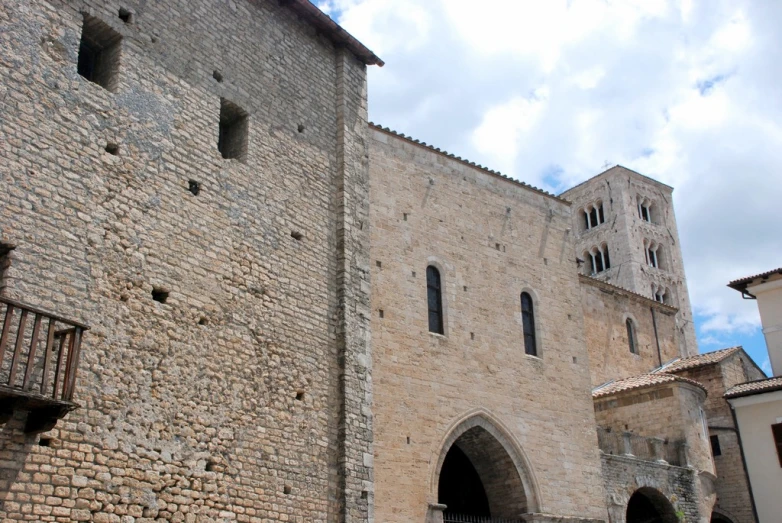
(528, 324)
(434, 299)
(593, 217)
(631, 336)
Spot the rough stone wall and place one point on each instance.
(669, 411)
(682, 487)
(650, 412)
(491, 239)
(246, 396)
(733, 498)
(606, 310)
(624, 233)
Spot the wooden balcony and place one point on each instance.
(39, 357)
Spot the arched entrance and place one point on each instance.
(648, 505)
(481, 473)
(716, 517)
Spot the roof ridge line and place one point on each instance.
(467, 162)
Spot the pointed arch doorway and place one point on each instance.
(482, 473)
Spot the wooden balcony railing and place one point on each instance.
(39, 358)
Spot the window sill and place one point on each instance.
(437, 336)
(533, 357)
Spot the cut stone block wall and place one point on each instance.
(491, 239)
(606, 310)
(690, 494)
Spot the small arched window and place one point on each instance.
(528, 324)
(631, 341)
(434, 300)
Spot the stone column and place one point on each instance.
(657, 449)
(435, 513)
(628, 446)
(684, 454)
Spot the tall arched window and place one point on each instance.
(528, 324)
(631, 336)
(434, 299)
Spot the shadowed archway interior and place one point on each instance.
(648, 505)
(479, 478)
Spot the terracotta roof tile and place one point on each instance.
(741, 283)
(755, 387)
(701, 360)
(639, 382)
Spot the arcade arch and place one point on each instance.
(481, 472)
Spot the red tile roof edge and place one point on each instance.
(754, 387)
(699, 360)
(640, 382)
(741, 283)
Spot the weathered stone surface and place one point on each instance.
(491, 239)
(245, 396)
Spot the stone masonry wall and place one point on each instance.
(606, 310)
(668, 411)
(732, 487)
(682, 488)
(650, 412)
(246, 395)
(491, 239)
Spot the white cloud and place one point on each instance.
(683, 91)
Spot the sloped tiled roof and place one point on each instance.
(700, 360)
(639, 382)
(741, 283)
(755, 387)
(467, 162)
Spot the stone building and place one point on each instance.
(187, 178)
(192, 208)
(485, 337)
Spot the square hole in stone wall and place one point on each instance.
(234, 128)
(99, 53)
(159, 295)
(126, 15)
(5, 263)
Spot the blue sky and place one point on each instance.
(684, 91)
